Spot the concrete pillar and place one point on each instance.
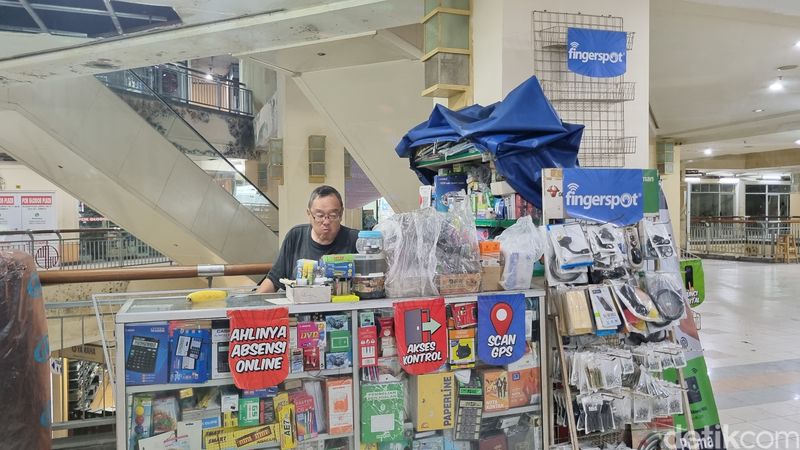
(671, 186)
(503, 53)
(302, 120)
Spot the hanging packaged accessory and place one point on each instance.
(659, 241)
(570, 245)
(637, 301)
(635, 256)
(557, 276)
(605, 313)
(667, 293)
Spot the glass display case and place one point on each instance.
(174, 390)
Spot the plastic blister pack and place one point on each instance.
(666, 291)
(642, 408)
(637, 302)
(556, 275)
(659, 241)
(570, 246)
(522, 244)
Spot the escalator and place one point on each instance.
(160, 180)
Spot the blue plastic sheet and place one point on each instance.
(523, 132)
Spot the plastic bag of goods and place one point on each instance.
(24, 356)
(521, 244)
(409, 241)
(458, 267)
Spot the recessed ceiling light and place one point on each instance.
(758, 110)
(788, 67)
(777, 85)
(797, 44)
(690, 161)
(728, 180)
(797, 142)
(772, 176)
(708, 151)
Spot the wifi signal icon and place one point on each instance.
(572, 187)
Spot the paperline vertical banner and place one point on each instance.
(258, 353)
(596, 53)
(420, 326)
(501, 328)
(604, 195)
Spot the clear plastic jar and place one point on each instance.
(369, 242)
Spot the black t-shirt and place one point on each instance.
(298, 244)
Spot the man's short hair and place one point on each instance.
(324, 191)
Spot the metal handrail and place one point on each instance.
(63, 231)
(152, 273)
(203, 139)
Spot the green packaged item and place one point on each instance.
(340, 341)
(382, 412)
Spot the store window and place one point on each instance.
(713, 200)
(767, 200)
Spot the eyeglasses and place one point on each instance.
(333, 217)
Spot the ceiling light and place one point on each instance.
(797, 142)
(728, 180)
(708, 151)
(772, 176)
(691, 179)
(209, 77)
(758, 110)
(797, 44)
(787, 67)
(777, 85)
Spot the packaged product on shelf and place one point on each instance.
(339, 395)
(166, 414)
(495, 390)
(574, 309)
(494, 441)
(522, 438)
(305, 422)
(490, 278)
(381, 412)
(445, 186)
(266, 409)
(220, 339)
(462, 347)
(524, 386)
(286, 426)
(146, 353)
(310, 334)
(425, 196)
(296, 360)
(249, 411)
(189, 355)
(141, 418)
(428, 443)
(187, 399)
(191, 432)
(458, 259)
(338, 360)
(469, 409)
(490, 253)
(521, 245)
(368, 345)
(229, 404)
(434, 401)
(465, 315)
(313, 359)
(570, 245)
(340, 341)
(337, 322)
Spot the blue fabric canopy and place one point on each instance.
(523, 132)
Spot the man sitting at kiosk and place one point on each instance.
(323, 235)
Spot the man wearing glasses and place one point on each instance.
(324, 235)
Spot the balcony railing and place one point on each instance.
(740, 237)
(85, 248)
(184, 85)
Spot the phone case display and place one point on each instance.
(367, 402)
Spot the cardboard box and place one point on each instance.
(239, 438)
(524, 386)
(338, 360)
(435, 402)
(494, 442)
(249, 411)
(490, 278)
(308, 294)
(339, 397)
(469, 409)
(465, 283)
(340, 341)
(462, 347)
(495, 390)
(500, 188)
(305, 422)
(190, 355)
(444, 185)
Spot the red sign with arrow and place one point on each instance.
(421, 331)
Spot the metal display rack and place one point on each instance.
(597, 103)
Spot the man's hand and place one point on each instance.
(266, 287)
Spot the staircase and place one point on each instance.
(155, 175)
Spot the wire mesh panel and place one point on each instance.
(597, 103)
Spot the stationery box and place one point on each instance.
(305, 421)
(141, 418)
(308, 294)
(495, 390)
(220, 339)
(382, 406)
(189, 355)
(462, 346)
(340, 341)
(339, 397)
(338, 360)
(469, 409)
(165, 415)
(249, 411)
(146, 353)
(524, 386)
(447, 184)
(337, 322)
(434, 407)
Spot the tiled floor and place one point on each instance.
(750, 330)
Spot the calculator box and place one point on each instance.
(220, 341)
(146, 353)
(190, 355)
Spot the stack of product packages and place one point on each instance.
(618, 294)
(210, 417)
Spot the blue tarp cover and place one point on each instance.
(523, 131)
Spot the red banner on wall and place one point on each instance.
(258, 353)
(421, 329)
